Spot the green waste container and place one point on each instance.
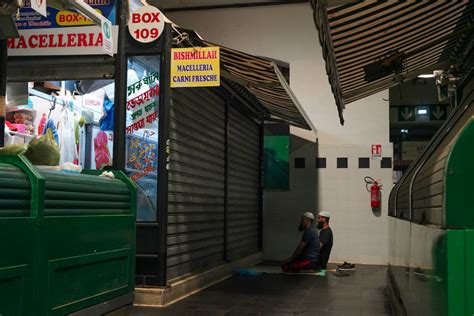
(67, 241)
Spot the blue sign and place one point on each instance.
(30, 19)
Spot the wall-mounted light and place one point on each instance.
(404, 131)
(426, 76)
(422, 111)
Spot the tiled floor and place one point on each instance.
(362, 293)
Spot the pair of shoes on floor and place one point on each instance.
(346, 266)
(341, 273)
(342, 268)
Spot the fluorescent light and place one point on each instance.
(426, 76)
(422, 111)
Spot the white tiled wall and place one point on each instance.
(360, 236)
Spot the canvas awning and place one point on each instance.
(262, 78)
(422, 35)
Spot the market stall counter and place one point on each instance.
(71, 238)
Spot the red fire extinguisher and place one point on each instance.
(375, 188)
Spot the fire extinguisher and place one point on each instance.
(375, 187)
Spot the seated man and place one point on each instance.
(306, 254)
(325, 238)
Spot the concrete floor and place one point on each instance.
(362, 293)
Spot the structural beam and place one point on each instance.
(3, 88)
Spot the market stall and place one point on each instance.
(194, 153)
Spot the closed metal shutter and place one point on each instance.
(196, 181)
(420, 195)
(244, 180)
(428, 190)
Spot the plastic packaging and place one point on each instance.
(102, 154)
(67, 139)
(13, 149)
(43, 151)
(42, 124)
(108, 174)
(70, 167)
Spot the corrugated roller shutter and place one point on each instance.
(420, 194)
(403, 198)
(429, 184)
(196, 181)
(243, 186)
(391, 203)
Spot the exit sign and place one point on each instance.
(376, 152)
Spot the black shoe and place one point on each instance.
(419, 271)
(346, 266)
(341, 273)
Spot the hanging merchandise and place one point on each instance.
(67, 140)
(50, 125)
(106, 122)
(102, 154)
(43, 151)
(42, 124)
(22, 118)
(10, 126)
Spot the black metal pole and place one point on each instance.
(261, 167)
(120, 118)
(163, 155)
(3, 88)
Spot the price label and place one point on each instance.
(146, 24)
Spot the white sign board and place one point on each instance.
(108, 43)
(146, 24)
(39, 6)
(84, 40)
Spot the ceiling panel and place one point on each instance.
(169, 5)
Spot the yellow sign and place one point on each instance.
(69, 18)
(195, 67)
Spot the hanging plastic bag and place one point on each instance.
(102, 154)
(106, 122)
(43, 151)
(67, 139)
(52, 126)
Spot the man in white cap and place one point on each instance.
(325, 238)
(306, 254)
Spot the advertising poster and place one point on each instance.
(143, 100)
(30, 19)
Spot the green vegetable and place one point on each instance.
(44, 151)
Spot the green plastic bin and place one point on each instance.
(67, 240)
